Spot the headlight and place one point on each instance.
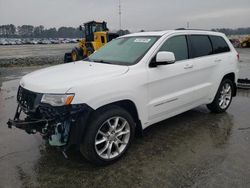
(57, 99)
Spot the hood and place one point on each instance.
(60, 78)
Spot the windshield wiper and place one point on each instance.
(86, 59)
(100, 61)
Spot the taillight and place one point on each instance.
(238, 57)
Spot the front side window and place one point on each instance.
(124, 51)
(201, 45)
(219, 45)
(93, 28)
(177, 45)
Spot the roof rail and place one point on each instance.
(193, 29)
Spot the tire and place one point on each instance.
(67, 58)
(90, 51)
(223, 98)
(102, 140)
(76, 54)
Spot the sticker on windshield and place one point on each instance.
(142, 40)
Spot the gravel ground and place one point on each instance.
(26, 55)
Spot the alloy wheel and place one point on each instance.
(225, 96)
(112, 138)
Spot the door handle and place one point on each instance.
(188, 66)
(217, 60)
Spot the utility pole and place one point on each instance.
(120, 15)
(187, 25)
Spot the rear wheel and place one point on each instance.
(223, 97)
(110, 132)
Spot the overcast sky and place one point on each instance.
(136, 14)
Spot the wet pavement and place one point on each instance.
(194, 149)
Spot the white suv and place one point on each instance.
(131, 83)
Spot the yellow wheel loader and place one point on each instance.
(96, 35)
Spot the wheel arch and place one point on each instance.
(231, 76)
(131, 108)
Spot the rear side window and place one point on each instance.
(177, 45)
(200, 45)
(219, 45)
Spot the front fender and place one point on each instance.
(101, 100)
(99, 92)
(104, 100)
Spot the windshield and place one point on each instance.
(124, 51)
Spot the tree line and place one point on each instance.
(30, 31)
(238, 31)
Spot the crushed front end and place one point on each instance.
(60, 125)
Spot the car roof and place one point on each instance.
(180, 31)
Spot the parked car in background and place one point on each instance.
(45, 41)
(18, 41)
(34, 41)
(54, 41)
(3, 42)
(12, 42)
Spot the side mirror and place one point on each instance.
(164, 57)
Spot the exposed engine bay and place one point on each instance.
(55, 124)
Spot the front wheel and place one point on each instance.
(109, 134)
(76, 54)
(67, 57)
(223, 97)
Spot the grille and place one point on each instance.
(50, 112)
(27, 99)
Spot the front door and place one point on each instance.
(173, 88)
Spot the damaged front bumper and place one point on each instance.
(61, 126)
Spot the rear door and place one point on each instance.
(205, 63)
(223, 60)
